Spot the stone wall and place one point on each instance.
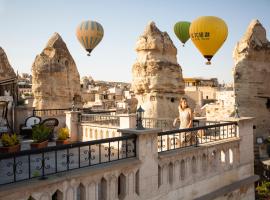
(157, 77)
(252, 76)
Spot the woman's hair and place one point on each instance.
(183, 99)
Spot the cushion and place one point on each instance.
(31, 121)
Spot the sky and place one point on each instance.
(27, 25)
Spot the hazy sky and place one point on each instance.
(26, 26)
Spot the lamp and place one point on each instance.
(139, 115)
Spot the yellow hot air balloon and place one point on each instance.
(208, 33)
(89, 33)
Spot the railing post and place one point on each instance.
(147, 153)
(245, 132)
(72, 123)
(127, 121)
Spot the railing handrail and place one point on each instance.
(66, 146)
(98, 114)
(157, 118)
(50, 109)
(195, 128)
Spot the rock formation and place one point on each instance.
(55, 77)
(252, 77)
(6, 71)
(157, 77)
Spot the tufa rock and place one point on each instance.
(55, 78)
(6, 71)
(252, 77)
(157, 77)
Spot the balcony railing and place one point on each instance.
(61, 111)
(50, 112)
(160, 123)
(101, 119)
(28, 164)
(180, 138)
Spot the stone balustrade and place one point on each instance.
(216, 170)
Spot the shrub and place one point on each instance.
(40, 133)
(63, 134)
(263, 190)
(9, 140)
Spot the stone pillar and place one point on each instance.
(72, 123)
(245, 131)
(147, 153)
(127, 121)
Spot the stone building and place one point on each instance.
(157, 77)
(252, 76)
(223, 107)
(55, 78)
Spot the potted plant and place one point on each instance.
(40, 135)
(10, 143)
(63, 134)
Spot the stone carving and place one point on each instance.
(55, 77)
(252, 77)
(156, 73)
(6, 71)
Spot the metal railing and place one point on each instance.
(180, 138)
(28, 164)
(161, 123)
(101, 119)
(50, 112)
(61, 111)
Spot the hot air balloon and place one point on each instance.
(89, 33)
(181, 30)
(208, 33)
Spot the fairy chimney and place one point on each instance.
(55, 78)
(6, 71)
(157, 77)
(252, 77)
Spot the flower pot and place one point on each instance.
(61, 142)
(10, 149)
(39, 145)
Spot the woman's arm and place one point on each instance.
(175, 121)
(190, 118)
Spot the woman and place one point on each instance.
(185, 115)
(185, 118)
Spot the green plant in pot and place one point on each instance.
(40, 135)
(62, 137)
(10, 143)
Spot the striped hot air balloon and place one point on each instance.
(89, 33)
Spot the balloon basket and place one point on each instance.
(208, 63)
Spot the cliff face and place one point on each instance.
(6, 71)
(55, 77)
(252, 76)
(157, 77)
